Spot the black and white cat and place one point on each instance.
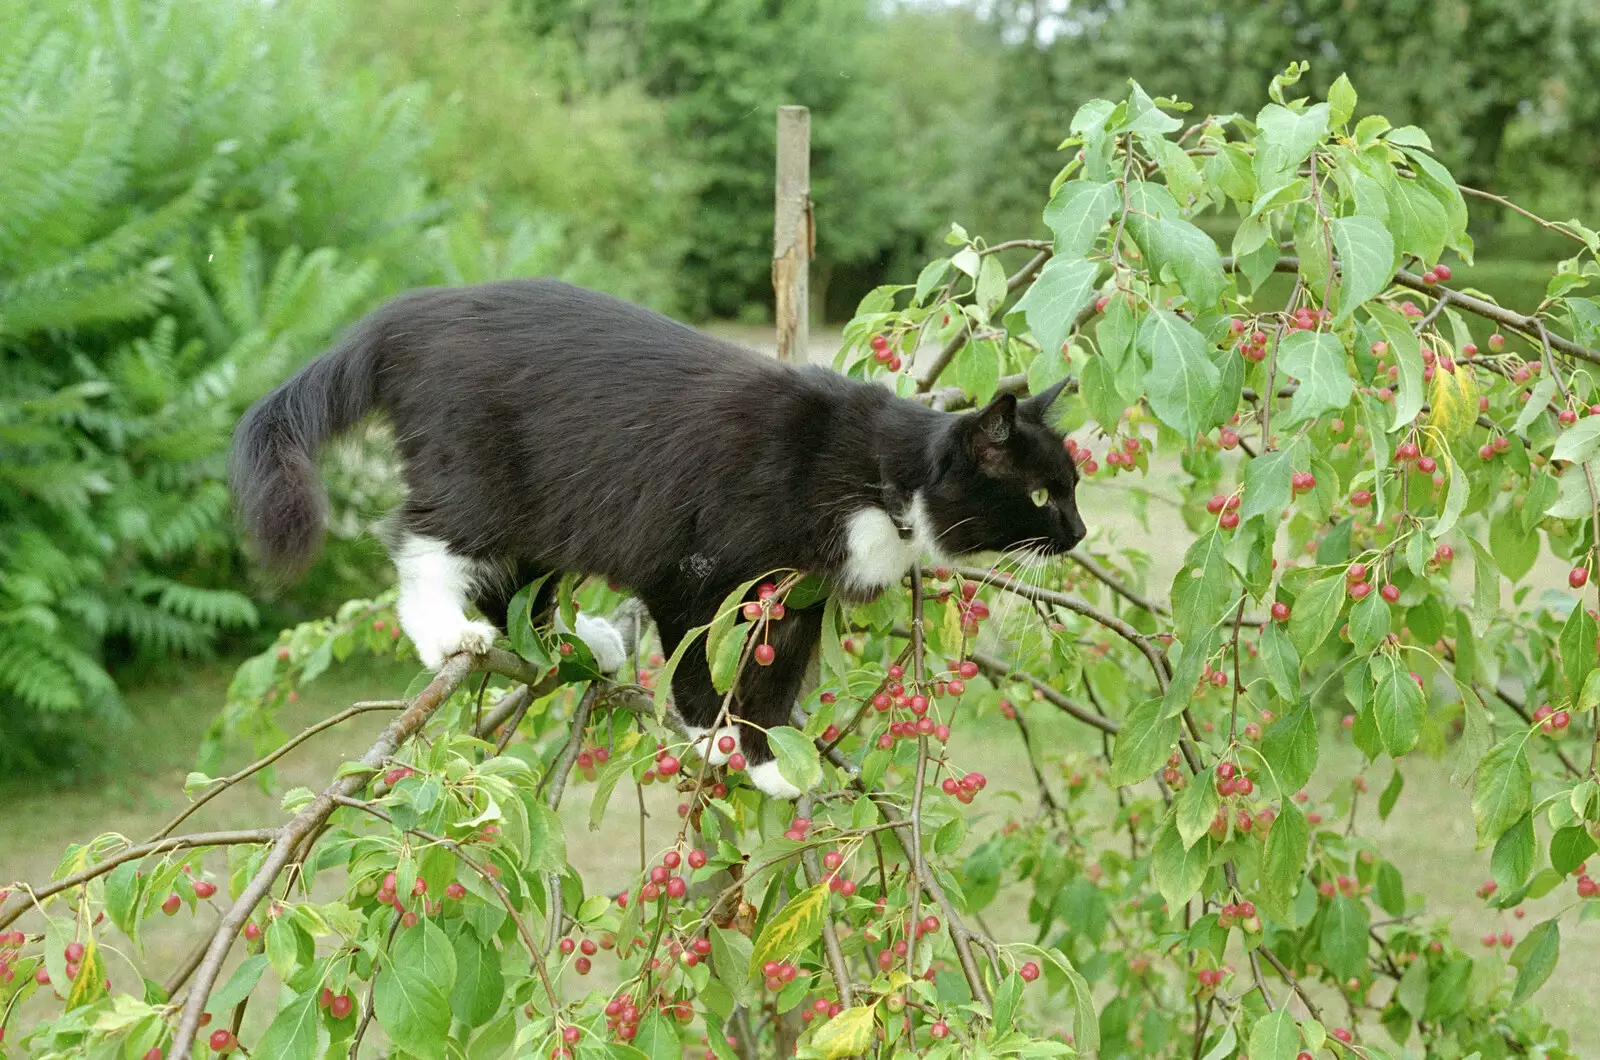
(547, 428)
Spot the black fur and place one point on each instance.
(546, 427)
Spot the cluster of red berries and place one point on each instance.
(1437, 274)
(622, 1018)
(884, 354)
(662, 882)
(833, 861)
(1341, 884)
(1242, 913)
(1252, 346)
(1431, 361)
(1406, 452)
(820, 1007)
(966, 788)
(1302, 482)
(1226, 508)
(1082, 454)
(1217, 677)
(1588, 887)
(1552, 722)
(338, 1005)
(1211, 978)
(1505, 938)
(11, 943)
(588, 760)
(1128, 456)
(1489, 450)
(387, 895)
(778, 974)
(1308, 319)
(1231, 780)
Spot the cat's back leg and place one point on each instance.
(437, 582)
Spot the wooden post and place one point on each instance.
(793, 235)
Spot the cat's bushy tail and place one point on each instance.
(272, 469)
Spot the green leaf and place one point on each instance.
(1369, 623)
(1078, 213)
(1196, 806)
(1179, 871)
(1579, 442)
(1316, 612)
(292, 1035)
(730, 959)
(1397, 705)
(1282, 662)
(1512, 859)
(1577, 645)
(1412, 993)
(1504, 789)
(1366, 258)
(1063, 288)
(1317, 360)
(410, 993)
(1276, 1036)
(1341, 105)
(657, 1038)
(1569, 848)
(1344, 937)
(1143, 744)
(239, 985)
(797, 756)
(847, 1034)
(1417, 219)
(1285, 866)
(725, 656)
(794, 927)
(1203, 589)
(1267, 488)
(1391, 794)
(1406, 351)
(1182, 382)
(1290, 748)
(1286, 139)
(479, 986)
(1535, 958)
(1573, 500)
(1191, 255)
(836, 667)
(1513, 548)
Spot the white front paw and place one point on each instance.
(436, 644)
(709, 744)
(768, 779)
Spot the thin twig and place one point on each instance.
(830, 935)
(221, 784)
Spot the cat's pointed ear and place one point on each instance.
(994, 424)
(1038, 406)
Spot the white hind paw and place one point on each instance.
(603, 639)
(769, 780)
(436, 644)
(709, 744)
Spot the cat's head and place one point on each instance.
(1004, 482)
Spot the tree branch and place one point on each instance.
(314, 814)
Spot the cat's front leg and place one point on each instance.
(766, 694)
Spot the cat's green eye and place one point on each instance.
(1041, 497)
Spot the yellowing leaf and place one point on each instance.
(1454, 397)
(794, 927)
(847, 1034)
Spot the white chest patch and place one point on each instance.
(877, 556)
